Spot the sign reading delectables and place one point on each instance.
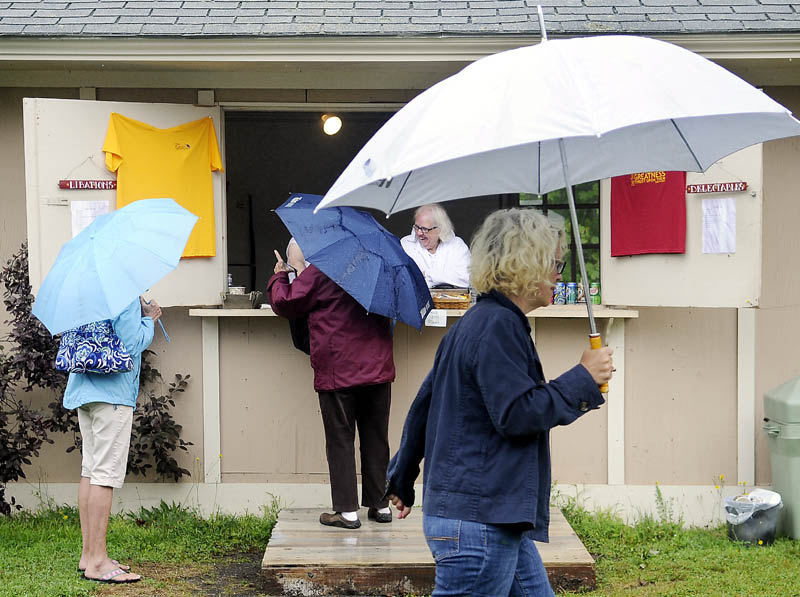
(716, 187)
(87, 185)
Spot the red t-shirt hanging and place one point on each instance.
(648, 213)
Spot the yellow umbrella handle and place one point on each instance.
(595, 342)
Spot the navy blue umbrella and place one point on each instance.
(361, 256)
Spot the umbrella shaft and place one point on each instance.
(576, 232)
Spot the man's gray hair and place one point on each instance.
(440, 219)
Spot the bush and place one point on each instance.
(22, 432)
(33, 359)
(156, 435)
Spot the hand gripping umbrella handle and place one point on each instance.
(166, 335)
(596, 342)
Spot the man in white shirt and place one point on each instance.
(442, 257)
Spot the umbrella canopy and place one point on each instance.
(545, 117)
(111, 262)
(361, 256)
(619, 104)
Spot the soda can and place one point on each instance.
(581, 295)
(560, 294)
(594, 293)
(572, 293)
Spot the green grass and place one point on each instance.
(181, 553)
(660, 557)
(39, 552)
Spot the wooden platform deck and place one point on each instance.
(306, 558)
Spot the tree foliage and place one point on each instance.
(587, 202)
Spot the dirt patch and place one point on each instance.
(235, 575)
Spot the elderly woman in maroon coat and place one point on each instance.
(351, 354)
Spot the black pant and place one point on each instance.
(365, 407)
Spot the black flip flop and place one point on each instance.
(108, 577)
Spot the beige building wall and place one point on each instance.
(579, 451)
(12, 165)
(681, 370)
(271, 427)
(53, 458)
(680, 396)
(778, 319)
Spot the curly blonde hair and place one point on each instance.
(514, 251)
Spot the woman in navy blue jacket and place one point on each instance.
(482, 418)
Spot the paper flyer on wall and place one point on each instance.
(719, 225)
(436, 318)
(84, 213)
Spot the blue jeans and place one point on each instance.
(478, 559)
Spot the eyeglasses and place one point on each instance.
(559, 265)
(423, 229)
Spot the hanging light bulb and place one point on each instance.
(331, 124)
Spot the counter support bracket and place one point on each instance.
(212, 457)
(746, 397)
(615, 404)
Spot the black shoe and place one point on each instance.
(373, 514)
(337, 520)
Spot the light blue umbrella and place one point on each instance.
(111, 262)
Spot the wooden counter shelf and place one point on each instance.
(558, 311)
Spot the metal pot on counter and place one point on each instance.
(236, 298)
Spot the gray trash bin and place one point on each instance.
(782, 426)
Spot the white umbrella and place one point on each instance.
(617, 104)
(545, 117)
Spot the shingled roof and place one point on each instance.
(269, 18)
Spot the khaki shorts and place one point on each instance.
(106, 435)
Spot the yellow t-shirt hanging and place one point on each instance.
(176, 162)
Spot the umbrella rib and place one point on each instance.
(539, 170)
(686, 143)
(399, 192)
